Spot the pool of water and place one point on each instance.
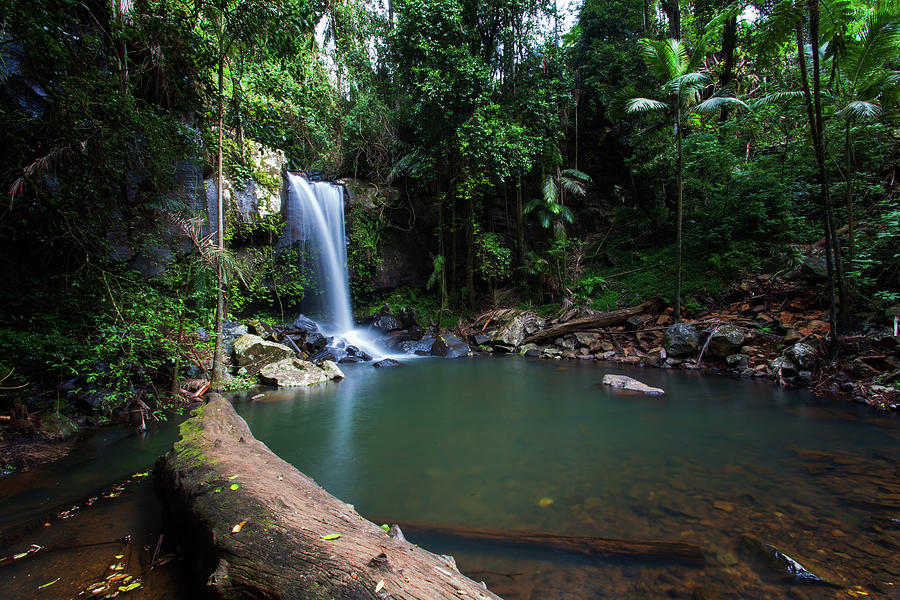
(517, 444)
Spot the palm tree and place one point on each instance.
(678, 96)
(864, 83)
(551, 208)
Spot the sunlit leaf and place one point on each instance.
(234, 486)
(379, 585)
(233, 477)
(238, 527)
(48, 584)
(385, 526)
(131, 586)
(331, 536)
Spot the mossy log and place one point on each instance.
(262, 529)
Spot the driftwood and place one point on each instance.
(262, 529)
(589, 546)
(606, 319)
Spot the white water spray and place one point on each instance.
(315, 221)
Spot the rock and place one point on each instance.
(511, 333)
(262, 329)
(481, 339)
(414, 333)
(792, 336)
(292, 372)
(57, 425)
(782, 564)
(448, 345)
(306, 324)
(252, 352)
(332, 371)
(628, 383)
(634, 323)
(738, 362)
(551, 352)
(785, 365)
(230, 332)
(566, 343)
(655, 357)
(408, 318)
(526, 347)
(315, 342)
(813, 268)
(386, 363)
(804, 355)
(724, 340)
(532, 352)
(681, 339)
(386, 323)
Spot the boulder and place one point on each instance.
(583, 339)
(306, 324)
(262, 329)
(230, 332)
(386, 363)
(813, 268)
(739, 362)
(57, 425)
(724, 340)
(655, 357)
(292, 372)
(448, 345)
(386, 323)
(785, 365)
(253, 353)
(681, 339)
(408, 318)
(623, 382)
(332, 371)
(511, 334)
(566, 343)
(804, 355)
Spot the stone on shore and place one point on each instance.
(292, 372)
(623, 382)
(681, 339)
(332, 370)
(252, 353)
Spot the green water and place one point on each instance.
(512, 443)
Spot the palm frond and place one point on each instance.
(576, 174)
(639, 105)
(550, 190)
(860, 109)
(685, 84)
(531, 205)
(778, 97)
(573, 186)
(716, 103)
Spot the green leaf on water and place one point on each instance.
(331, 536)
(20, 555)
(218, 490)
(234, 486)
(120, 556)
(131, 586)
(48, 584)
(233, 477)
(385, 526)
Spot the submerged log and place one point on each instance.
(616, 317)
(586, 545)
(262, 529)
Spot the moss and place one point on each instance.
(187, 449)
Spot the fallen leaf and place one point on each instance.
(233, 477)
(48, 584)
(120, 556)
(331, 536)
(385, 526)
(218, 490)
(545, 502)
(234, 486)
(379, 585)
(238, 527)
(131, 586)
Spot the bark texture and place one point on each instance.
(616, 317)
(279, 551)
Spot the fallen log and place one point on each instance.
(259, 528)
(585, 545)
(616, 317)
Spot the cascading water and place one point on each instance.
(315, 220)
(315, 223)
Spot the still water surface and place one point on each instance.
(511, 443)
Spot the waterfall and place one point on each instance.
(315, 221)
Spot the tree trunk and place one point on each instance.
(606, 319)
(679, 203)
(271, 532)
(470, 250)
(851, 235)
(217, 379)
(520, 231)
(729, 41)
(820, 163)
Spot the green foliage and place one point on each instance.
(492, 257)
(366, 231)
